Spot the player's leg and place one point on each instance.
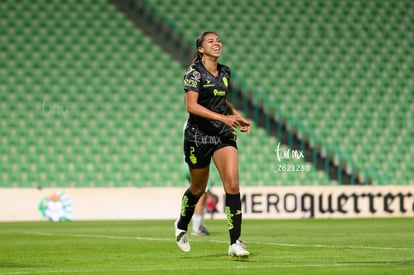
(198, 159)
(199, 178)
(226, 161)
(199, 229)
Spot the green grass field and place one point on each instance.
(310, 246)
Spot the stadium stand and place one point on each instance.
(343, 68)
(88, 100)
(85, 99)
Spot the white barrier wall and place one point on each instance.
(329, 202)
(164, 203)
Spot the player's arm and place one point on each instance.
(244, 124)
(230, 109)
(194, 108)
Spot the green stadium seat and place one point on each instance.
(348, 82)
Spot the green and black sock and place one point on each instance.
(188, 204)
(234, 216)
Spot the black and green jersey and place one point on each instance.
(212, 91)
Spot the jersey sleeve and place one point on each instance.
(192, 79)
(227, 71)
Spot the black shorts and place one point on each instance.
(199, 147)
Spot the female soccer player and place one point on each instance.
(210, 133)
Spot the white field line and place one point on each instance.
(220, 241)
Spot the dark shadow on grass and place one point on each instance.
(222, 257)
(382, 263)
(214, 257)
(4, 264)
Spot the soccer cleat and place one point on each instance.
(202, 231)
(238, 249)
(181, 238)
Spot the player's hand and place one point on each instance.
(245, 129)
(231, 120)
(237, 120)
(245, 125)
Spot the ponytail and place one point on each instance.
(197, 56)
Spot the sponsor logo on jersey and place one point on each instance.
(208, 84)
(190, 83)
(219, 93)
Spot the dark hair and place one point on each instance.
(199, 41)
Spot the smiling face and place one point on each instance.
(211, 46)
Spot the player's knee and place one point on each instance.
(197, 190)
(232, 186)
